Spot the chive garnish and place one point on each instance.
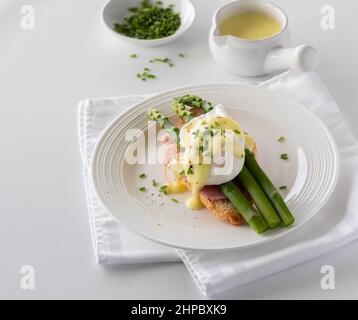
(283, 187)
(164, 189)
(190, 170)
(181, 55)
(174, 200)
(163, 60)
(145, 75)
(284, 156)
(154, 183)
(281, 139)
(142, 176)
(142, 189)
(196, 133)
(133, 55)
(149, 21)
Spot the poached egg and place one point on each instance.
(213, 151)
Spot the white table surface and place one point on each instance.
(70, 56)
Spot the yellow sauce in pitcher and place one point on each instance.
(250, 25)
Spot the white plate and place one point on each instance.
(310, 174)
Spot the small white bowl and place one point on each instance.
(115, 10)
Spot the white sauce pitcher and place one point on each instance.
(258, 57)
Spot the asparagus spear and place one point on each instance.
(164, 123)
(182, 106)
(240, 202)
(270, 190)
(262, 203)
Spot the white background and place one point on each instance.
(70, 56)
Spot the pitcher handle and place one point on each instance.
(302, 57)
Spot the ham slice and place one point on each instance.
(170, 152)
(213, 193)
(170, 148)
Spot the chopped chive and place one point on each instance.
(283, 187)
(154, 183)
(196, 133)
(149, 20)
(281, 139)
(164, 189)
(181, 55)
(237, 131)
(142, 189)
(181, 173)
(145, 75)
(284, 156)
(190, 170)
(133, 55)
(163, 60)
(142, 176)
(174, 200)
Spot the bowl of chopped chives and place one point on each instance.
(148, 23)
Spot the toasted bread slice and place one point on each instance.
(223, 209)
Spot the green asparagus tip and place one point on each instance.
(153, 114)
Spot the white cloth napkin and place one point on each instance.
(336, 224)
(216, 273)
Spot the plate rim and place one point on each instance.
(265, 239)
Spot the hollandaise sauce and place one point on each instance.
(250, 25)
(177, 185)
(175, 181)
